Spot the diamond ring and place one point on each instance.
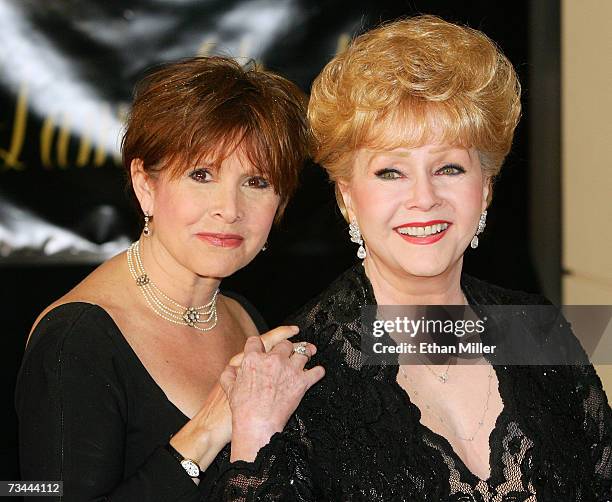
(300, 348)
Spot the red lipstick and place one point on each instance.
(221, 240)
(430, 239)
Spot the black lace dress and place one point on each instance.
(356, 436)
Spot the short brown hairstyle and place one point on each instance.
(203, 108)
(409, 81)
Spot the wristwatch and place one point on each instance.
(191, 466)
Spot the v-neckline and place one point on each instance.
(445, 442)
(131, 354)
(370, 298)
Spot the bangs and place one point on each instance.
(212, 145)
(415, 123)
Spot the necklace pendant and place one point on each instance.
(443, 378)
(191, 316)
(142, 280)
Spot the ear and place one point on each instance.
(487, 188)
(144, 187)
(345, 192)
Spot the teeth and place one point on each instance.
(423, 231)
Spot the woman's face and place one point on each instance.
(417, 208)
(212, 221)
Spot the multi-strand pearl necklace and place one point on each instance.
(441, 419)
(203, 318)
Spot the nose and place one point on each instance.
(226, 205)
(424, 195)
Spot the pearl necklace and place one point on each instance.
(441, 419)
(155, 297)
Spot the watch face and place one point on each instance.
(191, 467)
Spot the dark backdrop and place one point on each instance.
(311, 246)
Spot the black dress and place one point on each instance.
(91, 415)
(356, 435)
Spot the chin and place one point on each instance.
(216, 273)
(423, 269)
(424, 273)
(218, 270)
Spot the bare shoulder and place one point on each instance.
(240, 315)
(105, 287)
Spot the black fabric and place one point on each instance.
(356, 435)
(256, 317)
(91, 415)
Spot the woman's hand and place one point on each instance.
(264, 392)
(210, 429)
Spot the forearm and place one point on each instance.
(198, 442)
(204, 436)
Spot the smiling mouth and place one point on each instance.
(424, 231)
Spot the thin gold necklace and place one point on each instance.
(441, 419)
(202, 318)
(443, 378)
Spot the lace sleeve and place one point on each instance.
(597, 426)
(285, 470)
(593, 410)
(279, 473)
(282, 470)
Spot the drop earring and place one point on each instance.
(355, 234)
(146, 230)
(482, 223)
(265, 246)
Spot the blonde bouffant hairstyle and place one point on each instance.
(409, 82)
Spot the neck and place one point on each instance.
(396, 287)
(174, 279)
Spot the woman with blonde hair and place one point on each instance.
(413, 122)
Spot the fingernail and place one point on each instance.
(295, 329)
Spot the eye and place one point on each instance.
(388, 174)
(257, 182)
(451, 169)
(201, 175)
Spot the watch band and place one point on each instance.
(191, 466)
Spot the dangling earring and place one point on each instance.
(355, 234)
(146, 230)
(482, 223)
(265, 246)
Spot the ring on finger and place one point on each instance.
(300, 348)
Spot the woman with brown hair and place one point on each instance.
(119, 394)
(412, 123)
